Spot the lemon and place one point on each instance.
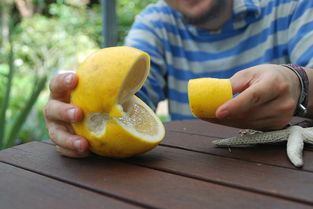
(116, 123)
(207, 94)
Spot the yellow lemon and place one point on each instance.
(207, 94)
(116, 123)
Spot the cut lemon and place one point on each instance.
(207, 94)
(116, 123)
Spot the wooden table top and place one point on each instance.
(184, 171)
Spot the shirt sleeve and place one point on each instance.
(300, 34)
(143, 35)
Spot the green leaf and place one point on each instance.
(25, 112)
(6, 99)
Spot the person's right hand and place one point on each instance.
(59, 115)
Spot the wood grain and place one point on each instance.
(257, 177)
(265, 154)
(149, 187)
(22, 189)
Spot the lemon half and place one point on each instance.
(207, 94)
(116, 123)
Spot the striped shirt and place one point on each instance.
(260, 31)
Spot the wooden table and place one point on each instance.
(185, 171)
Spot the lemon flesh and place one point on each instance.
(116, 123)
(207, 94)
(137, 131)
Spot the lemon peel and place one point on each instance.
(116, 72)
(207, 94)
(116, 123)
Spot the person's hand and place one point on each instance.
(59, 115)
(267, 100)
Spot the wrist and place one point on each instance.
(301, 109)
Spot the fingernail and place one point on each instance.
(77, 145)
(68, 79)
(223, 114)
(71, 114)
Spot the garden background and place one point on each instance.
(40, 38)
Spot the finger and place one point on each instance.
(61, 85)
(71, 153)
(56, 110)
(273, 115)
(251, 98)
(241, 81)
(63, 138)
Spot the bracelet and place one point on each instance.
(301, 109)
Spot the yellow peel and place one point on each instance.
(207, 94)
(116, 123)
(116, 72)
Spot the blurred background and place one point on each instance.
(40, 38)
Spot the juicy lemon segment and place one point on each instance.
(116, 123)
(137, 131)
(207, 94)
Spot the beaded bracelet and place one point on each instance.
(304, 82)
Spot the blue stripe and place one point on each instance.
(305, 57)
(185, 75)
(185, 35)
(268, 9)
(178, 96)
(147, 47)
(269, 55)
(147, 50)
(160, 10)
(302, 31)
(156, 87)
(143, 96)
(249, 43)
(155, 67)
(302, 8)
(140, 26)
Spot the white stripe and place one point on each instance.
(302, 45)
(179, 108)
(216, 46)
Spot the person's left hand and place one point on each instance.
(267, 100)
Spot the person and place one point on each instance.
(244, 40)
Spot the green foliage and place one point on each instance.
(9, 130)
(126, 12)
(49, 43)
(43, 46)
(79, 19)
(53, 40)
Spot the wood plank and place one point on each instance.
(288, 183)
(21, 189)
(225, 170)
(200, 127)
(149, 186)
(267, 154)
(276, 181)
